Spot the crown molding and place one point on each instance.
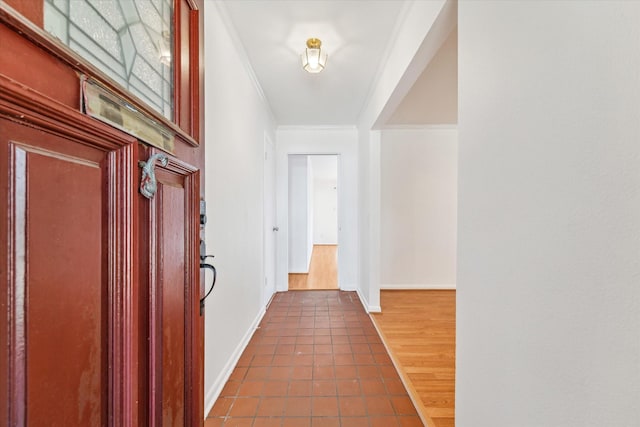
(421, 127)
(300, 128)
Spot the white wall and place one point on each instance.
(299, 215)
(325, 200)
(548, 328)
(236, 119)
(418, 200)
(325, 208)
(340, 141)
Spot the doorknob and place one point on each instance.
(276, 228)
(203, 264)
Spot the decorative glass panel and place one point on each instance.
(129, 40)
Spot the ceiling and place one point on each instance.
(357, 35)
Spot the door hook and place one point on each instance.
(148, 183)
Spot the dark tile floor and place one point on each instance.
(315, 361)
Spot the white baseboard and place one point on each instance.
(365, 304)
(418, 286)
(212, 394)
(363, 301)
(375, 309)
(348, 288)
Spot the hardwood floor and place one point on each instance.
(419, 330)
(323, 272)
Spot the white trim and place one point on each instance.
(352, 287)
(365, 304)
(216, 388)
(452, 126)
(362, 299)
(425, 286)
(375, 309)
(242, 54)
(315, 127)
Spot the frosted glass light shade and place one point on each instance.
(313, 58)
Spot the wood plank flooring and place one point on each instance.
(323, 271)
(419, 329)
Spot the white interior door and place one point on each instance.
(270, 226)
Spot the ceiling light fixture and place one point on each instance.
(313, 59)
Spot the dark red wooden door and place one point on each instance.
(99, 287)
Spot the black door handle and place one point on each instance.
(213, 282)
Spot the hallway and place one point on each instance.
(323, 270)
(316, 360)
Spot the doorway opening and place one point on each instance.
(313, 221)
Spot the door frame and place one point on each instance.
(344, 146)
(338, 195)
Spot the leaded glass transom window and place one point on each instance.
(129, 40)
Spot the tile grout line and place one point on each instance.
(343, 325)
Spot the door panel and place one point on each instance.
(174, 298)
(57, 293)
(65, 295)
(173, 305)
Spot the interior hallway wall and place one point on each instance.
(236, 119)
(548, 295)
(418, 208)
